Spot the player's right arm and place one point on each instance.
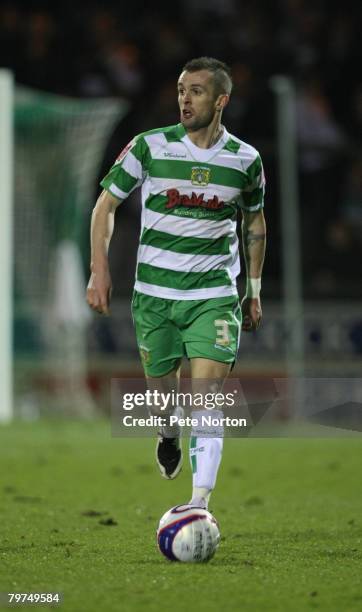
(100, 283)
(126, 174)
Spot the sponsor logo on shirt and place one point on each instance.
(193, 201)
(175, 155)
(200, 176)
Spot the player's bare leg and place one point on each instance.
(206, 445)
(209, 369)
(168, 449)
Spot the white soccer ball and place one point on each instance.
(187, 533)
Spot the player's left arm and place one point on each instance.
(254, 241)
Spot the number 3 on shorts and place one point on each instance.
(222, 332)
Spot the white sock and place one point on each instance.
(200, 497)
(173, 431)
(205, 457)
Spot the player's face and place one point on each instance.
(197, 99)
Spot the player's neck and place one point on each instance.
(207, 137)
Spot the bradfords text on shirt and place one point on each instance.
(176, 199)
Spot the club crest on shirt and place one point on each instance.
(200, 176)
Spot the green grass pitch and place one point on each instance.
(79, 511)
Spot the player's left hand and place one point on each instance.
(252, 313)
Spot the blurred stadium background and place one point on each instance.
(90, 76)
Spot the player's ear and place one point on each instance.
(221, 101)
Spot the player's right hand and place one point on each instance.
(99, 292)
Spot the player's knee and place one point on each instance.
(161, 409)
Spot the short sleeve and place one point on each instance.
(252, 198)
(128, 170)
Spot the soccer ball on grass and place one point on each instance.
(187, 533)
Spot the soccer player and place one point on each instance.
(194, 177)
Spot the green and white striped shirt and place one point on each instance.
(188, 244)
